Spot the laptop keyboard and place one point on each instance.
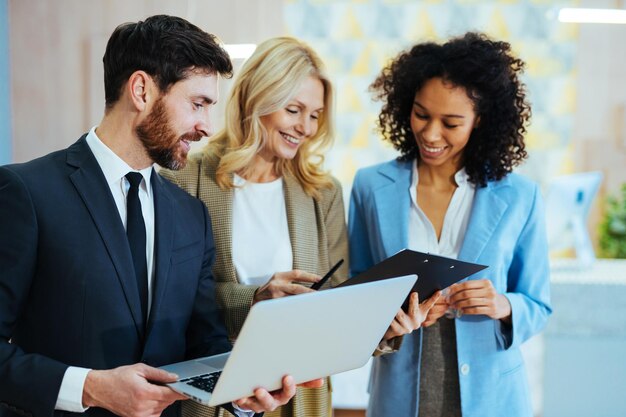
(204, 382)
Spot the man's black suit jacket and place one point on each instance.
(68, 295)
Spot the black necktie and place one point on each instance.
(136, 232)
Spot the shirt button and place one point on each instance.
(465, 369)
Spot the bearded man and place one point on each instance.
(105, 268)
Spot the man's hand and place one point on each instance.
(126, 391)
(263, 400)
(406, 322)
(480, 297)
(285, 283)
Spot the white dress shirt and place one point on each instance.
(70, 396)
(261, 244)
(422, 235)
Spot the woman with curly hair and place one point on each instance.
(278, 218)
(457, 114)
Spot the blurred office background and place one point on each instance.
(51, 91)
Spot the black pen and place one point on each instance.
(318, 284)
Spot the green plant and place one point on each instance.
(613, 227)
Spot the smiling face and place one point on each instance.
(442, 120)
(178, 117)
(290, 126)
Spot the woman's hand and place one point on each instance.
(436, 312)
(285, 283)
(406, 322)
(479, 297)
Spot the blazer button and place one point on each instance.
(465, 369)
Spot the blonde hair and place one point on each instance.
(265, 84)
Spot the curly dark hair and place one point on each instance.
(488, 72)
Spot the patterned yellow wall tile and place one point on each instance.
(348, 27)
(357, 38)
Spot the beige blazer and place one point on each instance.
(317, 231)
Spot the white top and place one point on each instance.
(422, 235)
(70, 396)
(261, 244)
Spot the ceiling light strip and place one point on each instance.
(580, 15)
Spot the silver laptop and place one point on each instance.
(307, 336)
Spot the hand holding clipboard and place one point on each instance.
(433, 272)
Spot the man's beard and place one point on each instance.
(160, 141)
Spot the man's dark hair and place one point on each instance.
(488, 72)
(168, 48)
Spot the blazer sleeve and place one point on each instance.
(337, 235)
(360, 252)
(528, 281)
(206, 333)
(29, 383)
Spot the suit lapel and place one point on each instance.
(393, 201)
(163, 241)
(92, 187)
(487, 212)
(303, 231)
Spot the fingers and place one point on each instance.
(285, 283)
(437, 311)
(414, 304)
(280, 289)
(159, 393)
(474, 297)
(264, 401)
(296, 275)
(473, 302)
(487, 311)
(471, 294)
(426, 305)
(404, 323)
(469, 285)
(316, 383)
(294, 289)
(127, 390)
(288, 391)
(156, 375)
(254, 403)
(395, 329)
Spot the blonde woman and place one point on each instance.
(278, 218)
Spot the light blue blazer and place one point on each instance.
(506, 232)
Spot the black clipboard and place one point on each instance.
(433, 272)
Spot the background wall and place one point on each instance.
(56, 57)
(5, 96)
(575, 75)
(598, 141)
(357, 38)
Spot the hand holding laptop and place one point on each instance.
(263, 400)
(140, 389)
(222, 378)
(130, 389)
